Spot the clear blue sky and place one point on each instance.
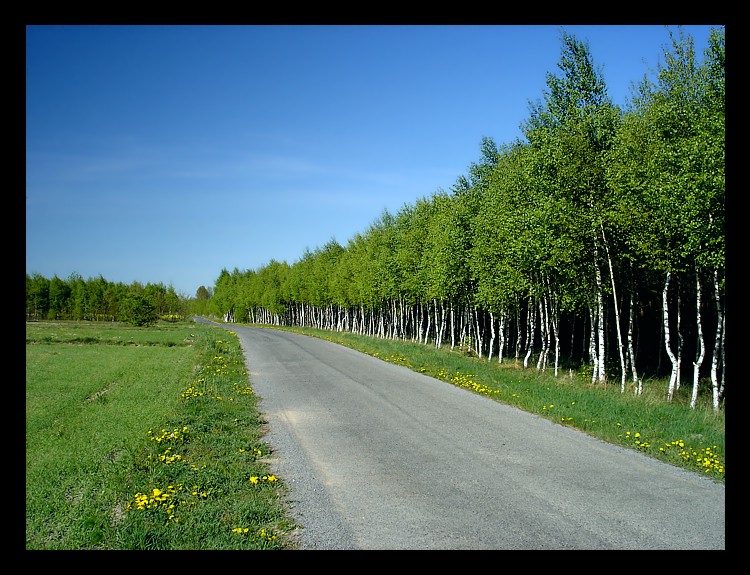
(167, 153)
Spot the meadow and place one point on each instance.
(151, 438)
(145, 438)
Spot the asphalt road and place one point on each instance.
(379, 457)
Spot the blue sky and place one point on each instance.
(164, 154)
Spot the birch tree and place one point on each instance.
(678, 169)
(570, 132)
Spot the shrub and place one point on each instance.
(138, 311)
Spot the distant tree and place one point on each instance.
(59, 294)
(37, 296)
(137, 310)
(79, 306)
(202, 293)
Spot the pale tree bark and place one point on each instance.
(420, 320)
(492, 336)
(701, 346)
(429, 323)
(723, 362)
(530, 332)
(678, 379)
(439, 323)
(718, 345)
(620, 346)
(600, 351)
(501, 343)
(592, 344)
(554, 313)
(479, 333)
(667, 342)
(541, 363)
(517, 353)
(453, 327)
(637, 383)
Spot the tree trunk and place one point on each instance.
(438, 325)
(453, 328)
(555, 333)
(501, 343)
(443, 322)
(670, 353)
(429, 323)
(592, 345)
(701, 346)
(517, 353)
(531, 328)
(680, 337)
(541, 363)
(620, 346)
(492, 336)
(718, 344)
(479, 333)
(601, 350)
(637, 385)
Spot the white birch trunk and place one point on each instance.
(592, 345)
(531, 328)
(554, 323)
(517, 348)
(723, 362)
(492, 336)
(637, 384)
(429, 322)
(601, 351)
(620, 346)
(678, 378)
(542, 361)
(718, 344)
(453, 328)
(419, 323)
(670, 353)
(437, 324)
(701, 346)
(501, 343)
(479, 334)
(442, 323)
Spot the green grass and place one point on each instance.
(692, 439)
(145, 438)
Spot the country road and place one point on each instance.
(379, 457)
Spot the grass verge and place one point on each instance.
(146, 438)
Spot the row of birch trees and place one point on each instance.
(594, 244)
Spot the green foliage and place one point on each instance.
(95, 299)
(139, 311)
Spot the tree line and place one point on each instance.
(97, 299)
(595, 244)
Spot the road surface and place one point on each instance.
(380, 457)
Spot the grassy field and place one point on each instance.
(150, 438)
(145, 438)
